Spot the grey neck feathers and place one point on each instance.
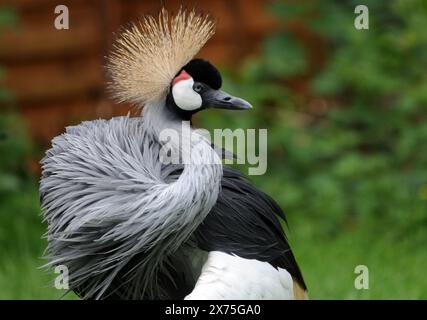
(178, 206)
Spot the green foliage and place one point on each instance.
(8, 19)
(348, 161)
(14, 150)
(355, 152)
(8, 16)
(21, 227)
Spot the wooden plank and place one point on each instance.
(37, 38)
(31, 4)
(47, 120)
(111, 20)
(223, 52)
(133, 10)
(54, 80)
(255, 18)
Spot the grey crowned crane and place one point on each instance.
(130, 226)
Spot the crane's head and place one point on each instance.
(197, 87)
(153, 61)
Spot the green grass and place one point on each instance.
(21, 249)
(395, 262)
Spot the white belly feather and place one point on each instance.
(229, 277)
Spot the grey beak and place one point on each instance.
(222, 100)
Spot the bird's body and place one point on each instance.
(130, 226)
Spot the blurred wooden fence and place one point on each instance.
(56, 76)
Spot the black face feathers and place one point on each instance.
(203, 71)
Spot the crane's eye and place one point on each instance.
(198, 87)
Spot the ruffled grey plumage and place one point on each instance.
(108, 199)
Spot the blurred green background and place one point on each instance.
(347, 162)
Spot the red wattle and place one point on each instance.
(182, 76)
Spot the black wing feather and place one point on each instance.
(245, 221)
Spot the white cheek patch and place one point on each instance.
(184, 95)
